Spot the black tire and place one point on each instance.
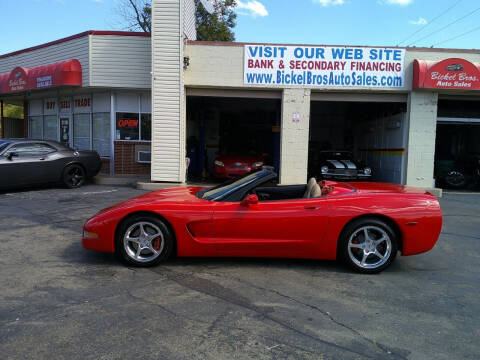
(164, 243)
(73, 176)
(455, 179)
(352, 246)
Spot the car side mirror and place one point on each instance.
(250, 199)
(11, 155)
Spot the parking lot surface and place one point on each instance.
(59, 301)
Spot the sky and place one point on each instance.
(438, 23)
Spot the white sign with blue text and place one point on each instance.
(324, 66)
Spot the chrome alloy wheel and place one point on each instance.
(369, 247)
(143, 241)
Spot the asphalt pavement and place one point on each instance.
(59, 301)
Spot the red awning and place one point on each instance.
(453, 73)
(64, 73)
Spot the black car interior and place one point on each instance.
(280, 192)
(267, 189)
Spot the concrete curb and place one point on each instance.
(116, 180)
(435, 191)
(143, 185)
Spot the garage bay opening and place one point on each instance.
(457, 145)
(358, 140)
(230, 136)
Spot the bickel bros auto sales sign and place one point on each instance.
(324, 66)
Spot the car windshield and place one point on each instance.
(217, 192)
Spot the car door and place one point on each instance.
(50, 162)
(284, 228)
(23, 165)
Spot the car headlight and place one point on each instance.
(367, 171)
(324, 169)
(219, 163)
(258, 164)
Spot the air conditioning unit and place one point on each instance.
(144, 157)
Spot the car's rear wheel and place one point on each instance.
(368, 245)
(74, 176)
(144, 240)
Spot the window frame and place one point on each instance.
(10, 149)
(140, 113)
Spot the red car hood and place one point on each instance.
(378, 187)
(177, 194)
(186, 193)
(229, 160)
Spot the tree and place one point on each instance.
(217, 26)
(137, 14)
(211, 27)
(12, 111)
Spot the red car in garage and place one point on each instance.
(227, 167)
(363, 224)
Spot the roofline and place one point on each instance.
(76, 36)
(423, 49)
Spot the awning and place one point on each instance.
(453, 73)
(20, 79)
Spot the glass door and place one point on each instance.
(65, 130)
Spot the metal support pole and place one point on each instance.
(25, 119)
(112, 132)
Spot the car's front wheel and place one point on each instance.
(368, 245)
(144, 240)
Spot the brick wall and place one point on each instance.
(105, 169)
(125, 161)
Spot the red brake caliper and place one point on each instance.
(156, 243)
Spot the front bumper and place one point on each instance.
(99, 238)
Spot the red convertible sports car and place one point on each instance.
(363, 224)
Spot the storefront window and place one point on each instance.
(127, 126)
(81, 131)
(36, 125)
(146, 127)
(50, 127)
(101, 133)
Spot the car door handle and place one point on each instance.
(42, 158)
(311, 207)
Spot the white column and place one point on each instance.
(294, 136)
(168, 139)
(422, 120)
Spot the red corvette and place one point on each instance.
(364, 224)
(228, 167)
